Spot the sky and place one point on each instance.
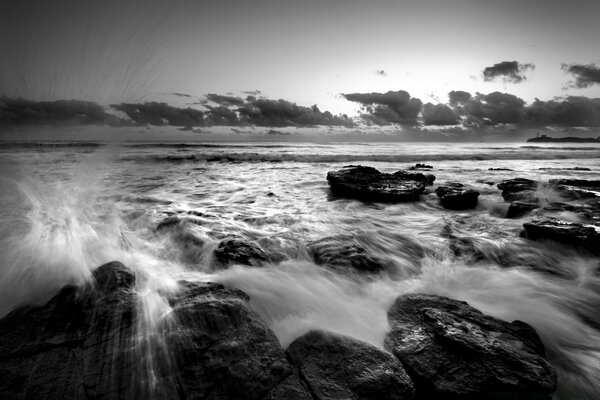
(308, 52)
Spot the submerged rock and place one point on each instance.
(342, 252)
(453, 351)
(421, 166)
(367, 183)
(518, 189)
(455, 197)
(339, 367)
(233, 251)
(570, 233)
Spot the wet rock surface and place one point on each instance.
(339, 367)
(518, 189)
(518, 208)
(367, 183)
(234, 251)
(455, 196)
(570, 233)
(453, 351)
(343, 252)
(427, 179)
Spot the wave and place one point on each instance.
(332, 158)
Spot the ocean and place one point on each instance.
(68, 207)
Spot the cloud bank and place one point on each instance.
(585, 75)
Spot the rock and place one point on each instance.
(461, 246)
(290, 389)
(564, 232)
(519, 208)
(79, 345)
(576, 182)
(455, 197)
(518, 189)
(339, 367)
(564, 169)
(453, 351)
(90, 342)
(427, 179)
(221, 347)
(343, 252)
(499, 169)
(232, 251)
(421, 166)
(367, 183)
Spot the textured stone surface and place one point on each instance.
(453, 351)
(339, 367)
(518, 189)
(455, 196)
(240, 252)
(570, 233)
(367, 183)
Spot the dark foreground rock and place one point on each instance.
(453, 351)
(576, 189)
(338, 367)
(342, 252)
(89, 343)
(518, 189)
(232, 251)
(455, 196)
(367, 183)
(570, 233)
(427, 179)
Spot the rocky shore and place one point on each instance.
(91, 341)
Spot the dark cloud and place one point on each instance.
(572, 111)
(508, 71)
(459, 97)
(265, 112)
(585, 75)
(496, 107)
(21, 111)
(252, 92)
(438, 114)
(225, 100)
(380, 72)
(181, 94)
(387, 108)
(221, 116)
(153, 113)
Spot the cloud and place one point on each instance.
(585, 75)
(572, 111)
(508, 71)
(21, 111)
(153, 113)
(266, 112)
(380, 72)
(459, 97)
(387, 108)
(252, 92)
(225, 100)
(180, 94)
(438, 114)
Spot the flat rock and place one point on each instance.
(453, 351)
(240, 252)
(564, 232)
(367, 183)
(427, 179)
(518, 189)
(421, 166)
(339, 367)
(455, 196)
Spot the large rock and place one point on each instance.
(453, 351)
(455, 196)
(576, 189)
(234, 251)
(367, 183)
(565, 232)
(339, 367)
(342, 252)
(221, 347)
(518, 189)
(518, 208)
(93, 342)
(79, 345)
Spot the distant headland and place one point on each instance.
(569, 139)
